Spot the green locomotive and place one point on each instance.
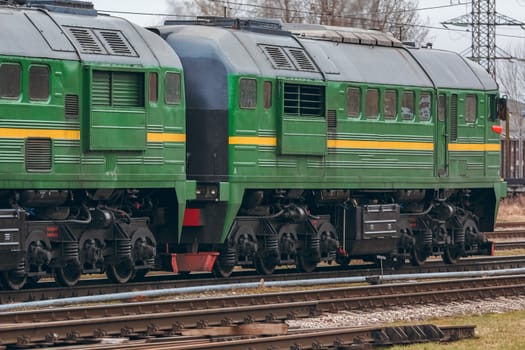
(312, 143)
(92, 145)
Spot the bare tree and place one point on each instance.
(511, 74)
(207, 8)
(397, 16)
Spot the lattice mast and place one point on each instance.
(484, 34)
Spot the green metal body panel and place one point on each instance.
(87, 151)
(268, 149)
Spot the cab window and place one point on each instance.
(267, 94)
(425, 106)
(39, 83)
(10, 80)
(471, 103)
(390, 104)
(248, 93)
(372, 104)
(353, 102)
(407, 106)
(173, 88)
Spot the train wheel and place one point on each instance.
(32, 281)
(450, 255)
(221, 270)
(121, 272)
(264, 264)
(305, 264)
(139, 274)
(417, 258)
(69, 274)
(12, 280)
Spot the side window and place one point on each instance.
(39, 84)
(10, 80)
(353, 102)
(407, 106)
(372, 104)
(173, 88)
(267, 94)
(425, 106)
(153, 87)
(248, 93)
(471, 104)
(442, 107)
(390, 104)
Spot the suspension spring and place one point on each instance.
(427, 237)
(123, 248)
(228, 257)
(21, 267)
(272, 243)
(70, 250)
(460, 236)
(314, 242)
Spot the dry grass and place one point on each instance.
(494, 331)
(512, 209)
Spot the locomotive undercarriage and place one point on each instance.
(303, 228)
(65, 234)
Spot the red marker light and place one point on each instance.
(497, 129)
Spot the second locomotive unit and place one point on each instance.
(311, 143)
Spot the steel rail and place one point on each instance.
(95, 287)
(148, 319)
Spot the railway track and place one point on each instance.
(151, 319)
(48, 290)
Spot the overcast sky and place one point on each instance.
(443, 39)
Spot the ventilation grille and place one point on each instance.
(304, 100)
(454, 118)
(71, 106)
(331, 118)
(101, 41)
(116, 43)
(87, 41)
(289, 58)
(117, 89)
(302, 62)
(38, 154)
(277, 57)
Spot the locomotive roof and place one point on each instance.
(323, 52)
(32, 32)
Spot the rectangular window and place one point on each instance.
(471, 104)
(268, 94)
(407, 105)
(118, 89)
(390, 105)
(248, 93)
(425, 106)
(372, 104)
(153, 87)
(173, 88)
(353, 102)
(10, 80)
(442, 107)
(39, 83)
(304, 100)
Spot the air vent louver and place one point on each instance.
(116, 43)
(38, 154)
(87, 41)
(71, 106)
